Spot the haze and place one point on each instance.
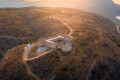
(49, 3)
(107, 8)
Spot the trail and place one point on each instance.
(71, 30)
(118, 29)
(29, 46)
(8, 37)
(39, 55)
(30, 72)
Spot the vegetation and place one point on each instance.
(94, 55)
(114, 39)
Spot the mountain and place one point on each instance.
(95, 53)
(106, 8)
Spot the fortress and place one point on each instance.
(61, 42)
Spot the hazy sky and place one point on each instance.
(116, 1)
(65, 3)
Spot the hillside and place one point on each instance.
(94, 56)
(105, 8)
(20, 26)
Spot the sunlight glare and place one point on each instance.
(116, 1)
(38, 0)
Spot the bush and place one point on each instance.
(1, 56)
(28, 41)
(59, 49)
(107, 33)
(113, 38)
(118, 44)
(3, 48)
(115, 54)
(64, 69)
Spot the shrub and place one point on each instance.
(28, 41)
(115, 54)
(59, 49)
(10, 33)
(113, 38)
(107, 33)
(64, 69)
(118, 44)
(3, 48)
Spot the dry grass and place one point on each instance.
(94, 54)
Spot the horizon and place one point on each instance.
(59, 39)
(49, 3)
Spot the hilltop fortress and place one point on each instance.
(62, 42)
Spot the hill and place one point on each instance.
(20, 26)
(94, 56)
(105, 8)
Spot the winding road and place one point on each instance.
(30, 72)
(71, 30)
(29, 46)
(118, 29)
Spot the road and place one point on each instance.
(71, 30)
(50, 40)
(39, 56)
(118, 29)
(8, 37)
(30, 72)
(29, 46)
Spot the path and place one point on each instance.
(29, 46)
(30, 72)
(71, 30)
(50, 40)
(9, 37)
(118, 29)
(39, 56)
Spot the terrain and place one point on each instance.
(94, 56)
(106, 8)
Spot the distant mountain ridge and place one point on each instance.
(106, 8)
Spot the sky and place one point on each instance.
(47, 3)
(117, 1)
